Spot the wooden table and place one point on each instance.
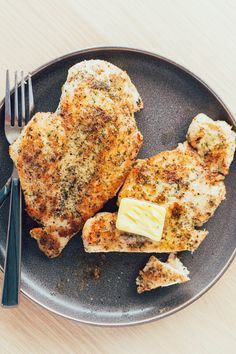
(201, 35)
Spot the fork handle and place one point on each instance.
(11, 282)
(5, 191)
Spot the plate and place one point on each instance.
(67, 285)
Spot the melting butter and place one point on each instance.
(141, 218)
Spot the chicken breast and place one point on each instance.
(184, 183)
(159, 274)
(72, 161)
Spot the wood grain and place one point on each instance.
(200, 35)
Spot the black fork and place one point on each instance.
(13, 126)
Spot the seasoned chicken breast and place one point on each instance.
(159, 274)
(72, 161)
(181, 180)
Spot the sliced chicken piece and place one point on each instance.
(71, 162)
(159, 274)
(101, 235)
(214, 141)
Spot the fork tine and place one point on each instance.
(22, 98)
(16, 112)
(31, 97)
(9, 119)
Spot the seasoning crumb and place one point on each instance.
(95, 272)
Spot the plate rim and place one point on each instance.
(233, 122)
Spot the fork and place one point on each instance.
(13, 126)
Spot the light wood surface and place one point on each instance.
(201, 35)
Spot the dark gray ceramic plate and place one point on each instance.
(67, 285)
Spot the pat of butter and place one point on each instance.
(141, 218)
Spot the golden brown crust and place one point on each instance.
(49, 241)
(214, 141)
(101, 235)
(180, 176)
(182, 183)
(71, 163)
(158, 274)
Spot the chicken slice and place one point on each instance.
(71, 162)
(214, 141)
(101, 235)
(159, 274)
